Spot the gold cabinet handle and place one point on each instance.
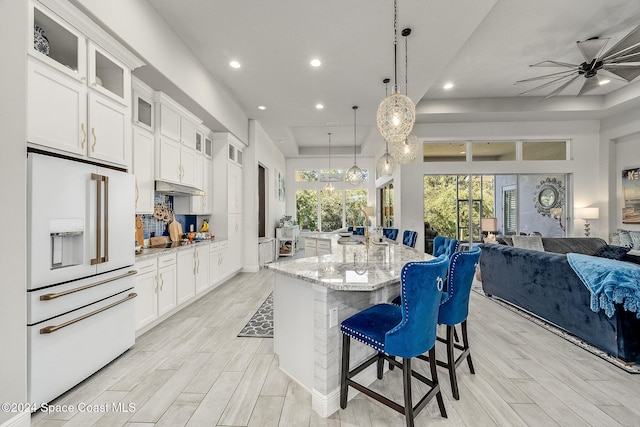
(51, 329)
(95, 139)
(161, 282)
(84, 135)
(137, 192)
(156, 290)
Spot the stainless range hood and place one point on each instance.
(177, 189)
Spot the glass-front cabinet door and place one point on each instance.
(107, 75)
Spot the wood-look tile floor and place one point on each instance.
(193, 370)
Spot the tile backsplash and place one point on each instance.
(154, 227)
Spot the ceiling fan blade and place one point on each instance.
(589, 84)
(549, 63)
(561, 88)
(627, 73)
(547, 76)
(592, 48)
(552, 82)
(628, 56)
(628, 42)
(609, 74)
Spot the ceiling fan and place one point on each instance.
(621, 62)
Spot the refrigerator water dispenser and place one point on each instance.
(67, 242)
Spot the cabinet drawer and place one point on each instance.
(324, 245)
(165, 260)
(224, 244)
(213, 247)
(310, 243)
(145, 266)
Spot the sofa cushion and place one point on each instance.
(611, 252)
(528, 242)
(579, 245)
(625, 238)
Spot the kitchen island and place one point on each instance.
(313, 295)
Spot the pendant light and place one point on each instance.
(354, 174)
(396, 113)
(386, 163)
(329, 176)
(407, 150)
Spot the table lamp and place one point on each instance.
(490, 225)
(586, 214)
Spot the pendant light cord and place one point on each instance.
(395, 46)
(355, 107)
(329, 152)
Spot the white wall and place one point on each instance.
(137, 24)
(13, 192)
(584, 165)
(263, 151)
(619, 149)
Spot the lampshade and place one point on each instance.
(489, 224)
(354, 175)
(368, 210)
(586, 213)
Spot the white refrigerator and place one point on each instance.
(80, 280)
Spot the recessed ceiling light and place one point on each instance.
(315, 62)
(234, 64)
(261, 107)
(447, 86)
(319, 106)
(604, 81)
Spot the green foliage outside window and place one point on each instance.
(331, 210)
(307, 209)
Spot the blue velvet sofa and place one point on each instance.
(544, 284)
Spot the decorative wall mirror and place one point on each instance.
(550, 194)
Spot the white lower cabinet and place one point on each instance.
(202, 268)
(223, 253)
(156, 288)
(214, 264)
(186, 274)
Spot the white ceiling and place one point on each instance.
(482, 46)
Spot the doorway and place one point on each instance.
(262, 209)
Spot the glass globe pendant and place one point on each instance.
(407, 151)
(354, 175)
(386, 163)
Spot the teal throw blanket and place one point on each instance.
(610, 281)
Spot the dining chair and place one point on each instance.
(409, 238)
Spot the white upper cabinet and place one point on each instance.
(169, 122)
(79, 85)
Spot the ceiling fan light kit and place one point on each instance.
(621, 62)
(396, 113)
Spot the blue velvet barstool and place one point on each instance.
(455, 310)
(357, 231)
(444, 245)
(390, 233)
(405, 331)
(409, 238)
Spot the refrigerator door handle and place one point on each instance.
(101, 181)
(49, 297)
(51, 329)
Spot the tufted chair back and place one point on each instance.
(444, 245)
(462, 268)
(359, 231)
(409, 238)
(390, 233)
(421, 291)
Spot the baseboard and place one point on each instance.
(22, 419)
(327, 404)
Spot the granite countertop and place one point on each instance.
(152, 252)
(352, 267)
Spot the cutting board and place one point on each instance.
(175, 230)
(139, 231)
(158, 242)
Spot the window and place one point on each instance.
(510, 210)
(493, 151)
(544, 150)
(307, 209)
(445, 152)
(315, 175)
(329, 211)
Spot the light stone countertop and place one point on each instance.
(154, 252)
(352, 267)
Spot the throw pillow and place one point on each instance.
(614, 239)
(528, 242)
(625, 238)
(635, 239)
(612, 252)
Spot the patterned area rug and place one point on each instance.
(631, 368)
(261, 323)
